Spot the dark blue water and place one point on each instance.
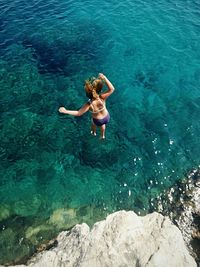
(53, 174)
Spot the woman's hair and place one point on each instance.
(93, 87)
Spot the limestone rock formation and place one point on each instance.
(123, 239)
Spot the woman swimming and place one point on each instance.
(96, 103)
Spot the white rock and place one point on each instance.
(123, 239)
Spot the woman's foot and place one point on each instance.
(93, 133)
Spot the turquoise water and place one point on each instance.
(53, 172)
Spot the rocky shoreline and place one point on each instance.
(182, 204)
(123, 239)
(126, 239)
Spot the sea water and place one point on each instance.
(53, 173)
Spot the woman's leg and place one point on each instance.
(93, 129)
(103, 128)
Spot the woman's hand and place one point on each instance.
(62, 110)
(102, 76)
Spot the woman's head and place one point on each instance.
(93, 87)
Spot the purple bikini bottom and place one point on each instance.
(100, 122)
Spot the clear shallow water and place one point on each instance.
(53, 173)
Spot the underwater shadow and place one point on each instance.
(67, 57)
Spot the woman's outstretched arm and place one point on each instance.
(79, 112)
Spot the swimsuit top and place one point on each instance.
(99, 110)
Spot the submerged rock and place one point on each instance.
(4, 212)
(61, 217)
(123, 239)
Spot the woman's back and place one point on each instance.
(98, 108)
